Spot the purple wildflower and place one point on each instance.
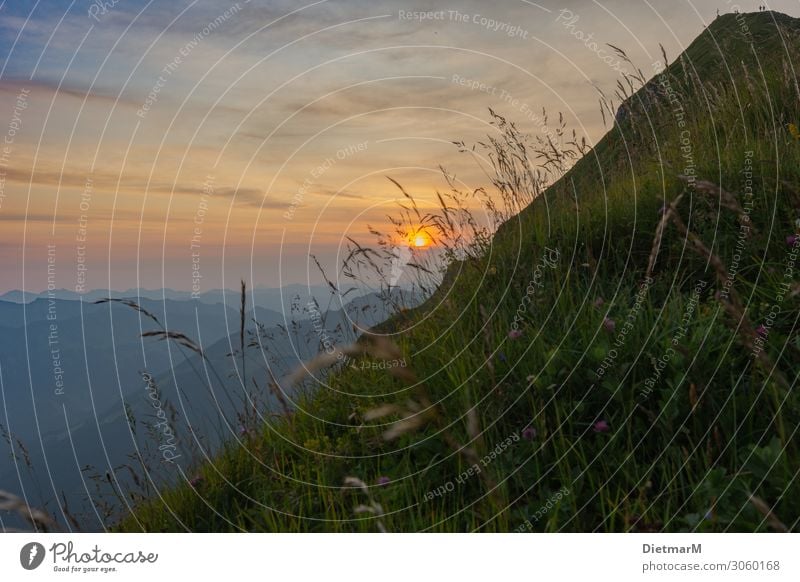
(609, 324)
(383, 481)
(529, 433)
(601, 426)
(762, 330)
(515, 334)
(791, 240)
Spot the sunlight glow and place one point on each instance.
(421, 239)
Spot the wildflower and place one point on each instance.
(791, 240)
(794, 131)
(601, 426)
(383, 481)
(243, 431)
(609, 324)
(196, 481)
(515, 334)
(762, 330)
(502, 357)
(599, 302)
(529, 433)
(492, 270)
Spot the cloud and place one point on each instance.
(336, 193)
(252, 197)
(13, 85)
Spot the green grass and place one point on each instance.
(718, 427)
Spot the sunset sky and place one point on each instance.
(143, 139)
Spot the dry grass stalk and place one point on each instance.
(242, 312)
(732, 302)
(180, 338)
(659, 236)
(39, 519)
(372, 507)
(277, 391)
(726, 199)
(765, 510)
(132, 305)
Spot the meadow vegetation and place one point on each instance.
(616, 349)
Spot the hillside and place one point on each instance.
(623, 356)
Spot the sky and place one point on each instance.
(189, 144)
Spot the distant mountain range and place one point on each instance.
(275, 298)
(77, 405)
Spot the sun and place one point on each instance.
(421, 239)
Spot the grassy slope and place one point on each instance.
(717, 426)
